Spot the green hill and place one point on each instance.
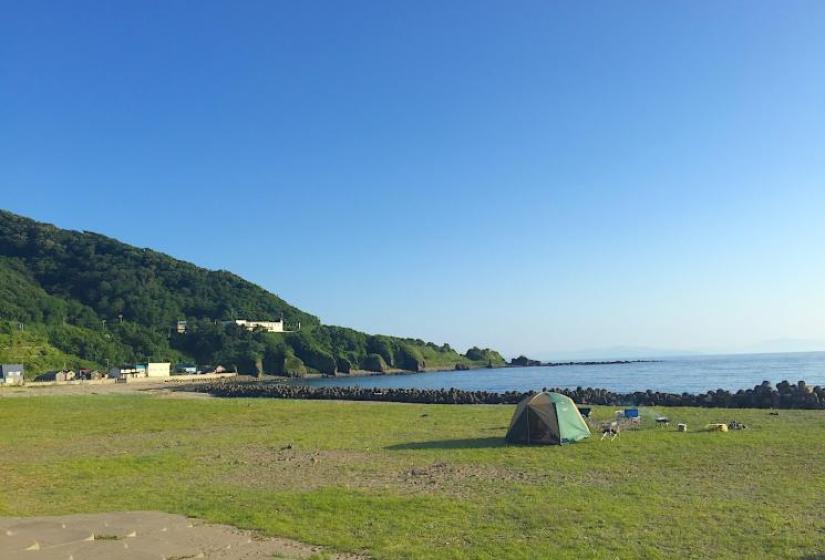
(86, 299)
(32, 347)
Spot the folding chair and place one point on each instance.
(633, 417)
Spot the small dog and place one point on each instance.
(611, 430)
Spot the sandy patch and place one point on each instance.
(140, 535)
(34, 390)
(169, 390)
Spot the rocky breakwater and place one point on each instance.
(765, 395)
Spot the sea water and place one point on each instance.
(692, 374)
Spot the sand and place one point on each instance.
(140, 535)
(169, 388)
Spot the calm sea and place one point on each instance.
(694, 374)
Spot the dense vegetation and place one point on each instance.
(32, 348)
(86, 299)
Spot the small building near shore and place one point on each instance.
(61, 375)
(89, 374)
(185, 368)
(127, 372)
(11, 374)
(211, 369)
(158, 369)
(138, 371)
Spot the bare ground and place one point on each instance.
(141, 535)
(169, 389)
(288, 468)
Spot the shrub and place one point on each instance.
(374, 362)
(344, 365)
(381, 345)
(293, 366)
(409, 358)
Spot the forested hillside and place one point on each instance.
(87, 299)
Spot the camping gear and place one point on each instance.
(681, 427)
(717, 427)
(734, 425)
(633, 417)
(662, 421)
(548, 418)
(585, 411)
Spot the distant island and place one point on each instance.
(83, 300)
(524, 361)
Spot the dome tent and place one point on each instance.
(548, 418)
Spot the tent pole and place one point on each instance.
(527, 410)
(558, 425)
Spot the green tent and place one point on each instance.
(548, 418)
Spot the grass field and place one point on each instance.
(424, 481)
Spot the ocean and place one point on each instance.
(692, 374)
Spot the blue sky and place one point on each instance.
(532, 176)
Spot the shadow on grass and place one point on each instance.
(470, 443)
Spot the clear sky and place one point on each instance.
(532, 176)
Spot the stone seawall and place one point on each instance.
(783, 395)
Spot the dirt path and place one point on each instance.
(141, 535)
(166, 388)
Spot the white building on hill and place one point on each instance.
(268, 326)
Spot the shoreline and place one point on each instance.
(443, 369)
(314, 375)
(784, 395)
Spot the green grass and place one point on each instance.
(418, 481)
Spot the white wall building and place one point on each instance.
(268, 326)
(126, 372)
(152, 369)
(158, 369)
(11, 374)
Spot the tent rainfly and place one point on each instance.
(548, 418)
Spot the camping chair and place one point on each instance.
(633, 417)
(584, 411)
(610, 430)
(662, 421)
